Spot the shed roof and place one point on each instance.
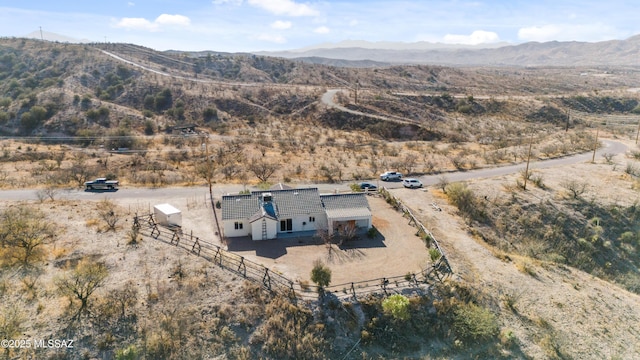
(166, 209)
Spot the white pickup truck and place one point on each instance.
(390, 176)
(101, 184)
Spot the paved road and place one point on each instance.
(613, 147)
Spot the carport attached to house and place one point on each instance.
(347, 211)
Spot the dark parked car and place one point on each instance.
(368, 186)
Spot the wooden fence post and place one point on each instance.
(155, 229)
(175, 237)
(243, 266)
(266, 279)
(193, 248)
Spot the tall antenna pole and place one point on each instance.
(638, 132)
(41, 37)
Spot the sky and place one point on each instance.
(270, 25)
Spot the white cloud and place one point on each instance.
(353, 22)
(284, 7)
(476, 37)
(178, 20)
(130, 4)
(322, 30)
(278, 39)
(567, 32)
(136, 24)
(144, 24)
(281, 25)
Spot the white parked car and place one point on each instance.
(390, 175)
(412, 183)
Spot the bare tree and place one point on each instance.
(443, 182)
(262, 168)
(576, 187)
(608, 157)
(80, 172)
(107, 211)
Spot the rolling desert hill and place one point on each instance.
(612, 53)
(548, 269)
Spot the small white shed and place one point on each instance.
(167, 215)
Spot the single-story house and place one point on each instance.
(265, 215)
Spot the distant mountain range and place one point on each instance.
(49, 36)
(554, 53)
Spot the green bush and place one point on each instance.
(397, 306)
(320, 274)
(434, 254)
(355, 188)
(475, 323)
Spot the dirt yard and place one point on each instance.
(397, 252)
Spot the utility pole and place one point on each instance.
(638, 132)
(568, 119)
(41, 36)
(526, 170)
(595, 146)
(356, 92)
(209, 170)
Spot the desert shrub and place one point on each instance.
(82, 282)
(23, 233)
(434, 254)
(475, 323)
(289, 332)
(355, 188)
(466, 201)
(128, 353)
(629, 237)
(397, 306)
(320, 274)
(107, 211)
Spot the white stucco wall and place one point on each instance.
(256, 229)
(302, 223)
(230, 230)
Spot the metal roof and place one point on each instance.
(294, 202)
(344, 206)
(345, 201)
(287, 203)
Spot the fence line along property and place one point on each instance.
(269, 280)
(275, 282)
(442, 265)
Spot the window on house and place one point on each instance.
(312, 218)
(286, 225)
(238, 225)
